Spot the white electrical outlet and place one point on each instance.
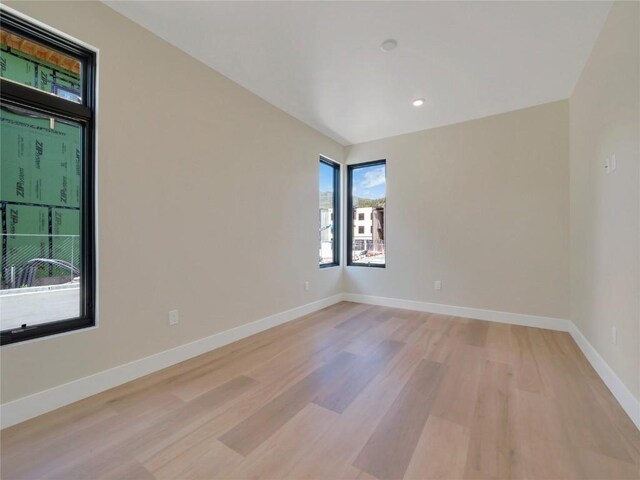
(437, 285)
(173, 317)
(306, 286)
(614, 335)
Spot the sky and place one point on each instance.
(369, 182)
(326, 178)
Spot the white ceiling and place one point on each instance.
(321, 61)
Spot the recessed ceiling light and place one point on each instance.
(388, 45)
(418, 102)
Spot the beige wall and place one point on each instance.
(184, 154)
(482, 206)
(605, 215)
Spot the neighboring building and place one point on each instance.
(368, 229)
(326, 235)
(326, 225)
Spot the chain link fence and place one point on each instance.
(368, 251)
(31, 260)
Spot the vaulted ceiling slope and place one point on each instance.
(322, 63)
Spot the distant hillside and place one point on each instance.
(369, 202)
(326, 200)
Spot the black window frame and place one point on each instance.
(16, 95)
(336, 212)
(351, 218)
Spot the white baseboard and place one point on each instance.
(31, 406)
(629, 403)
(622, 394)
(466, 312)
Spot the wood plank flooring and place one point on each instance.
(349, 392)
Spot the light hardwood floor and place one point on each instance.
(352, 391)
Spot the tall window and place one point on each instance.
(367, 201)
(329, 213)
(47, 97)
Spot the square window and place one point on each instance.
(366, 187)
(329, 187)
(47, 182)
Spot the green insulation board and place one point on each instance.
(40, 165)
(65, 239)
(27, 235)
(34, 72)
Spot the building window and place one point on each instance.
(47, 176)
(329, 183)
(367, 195)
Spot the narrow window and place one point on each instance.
(47, 97)
(329, 183)
(367, 194)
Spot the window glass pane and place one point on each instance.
(327, 202)
(40, 192)
(368, 200)
(37, 66)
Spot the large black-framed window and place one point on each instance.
(329, 213)
(47, 184)
(366, 217)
